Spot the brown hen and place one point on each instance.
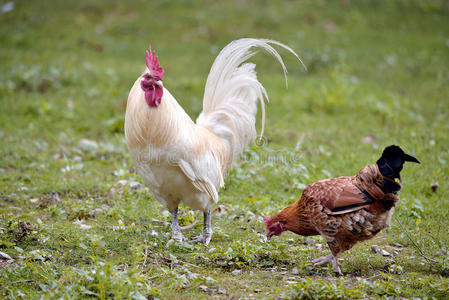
(345, 210)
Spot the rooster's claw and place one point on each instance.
(204, 238)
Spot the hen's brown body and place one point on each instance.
(317, 212)
(344, 210)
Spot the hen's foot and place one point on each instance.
(326, 260)
(336, 267)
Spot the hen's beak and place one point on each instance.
(410, 158)
(269, 236)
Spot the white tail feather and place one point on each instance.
(232, 92)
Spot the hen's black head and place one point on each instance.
(391, 162)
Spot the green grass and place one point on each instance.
(375, 68)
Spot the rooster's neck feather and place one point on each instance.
(167, 127)
(159, 126)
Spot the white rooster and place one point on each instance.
(183, 161)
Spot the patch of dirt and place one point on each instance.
(21, 230)
(4, 263)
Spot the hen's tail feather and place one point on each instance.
(232, 92)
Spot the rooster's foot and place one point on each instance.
(204, 238)
(177, 236)
(207, 231)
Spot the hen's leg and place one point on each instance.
(326, 260)
(207, 230)
(336, 265)
(175, 229)
(335, 248)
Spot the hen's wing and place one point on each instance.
(340, 195)
(205, 173)
(351, 198)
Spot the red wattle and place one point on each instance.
(153, 92)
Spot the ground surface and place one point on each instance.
(377, 75)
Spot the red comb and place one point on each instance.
(153, 65)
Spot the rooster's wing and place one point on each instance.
(204, 172)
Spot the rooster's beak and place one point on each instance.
(159, 83)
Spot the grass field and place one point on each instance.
(377, 75)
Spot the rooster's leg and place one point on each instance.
(175, 229)
(207, 230)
